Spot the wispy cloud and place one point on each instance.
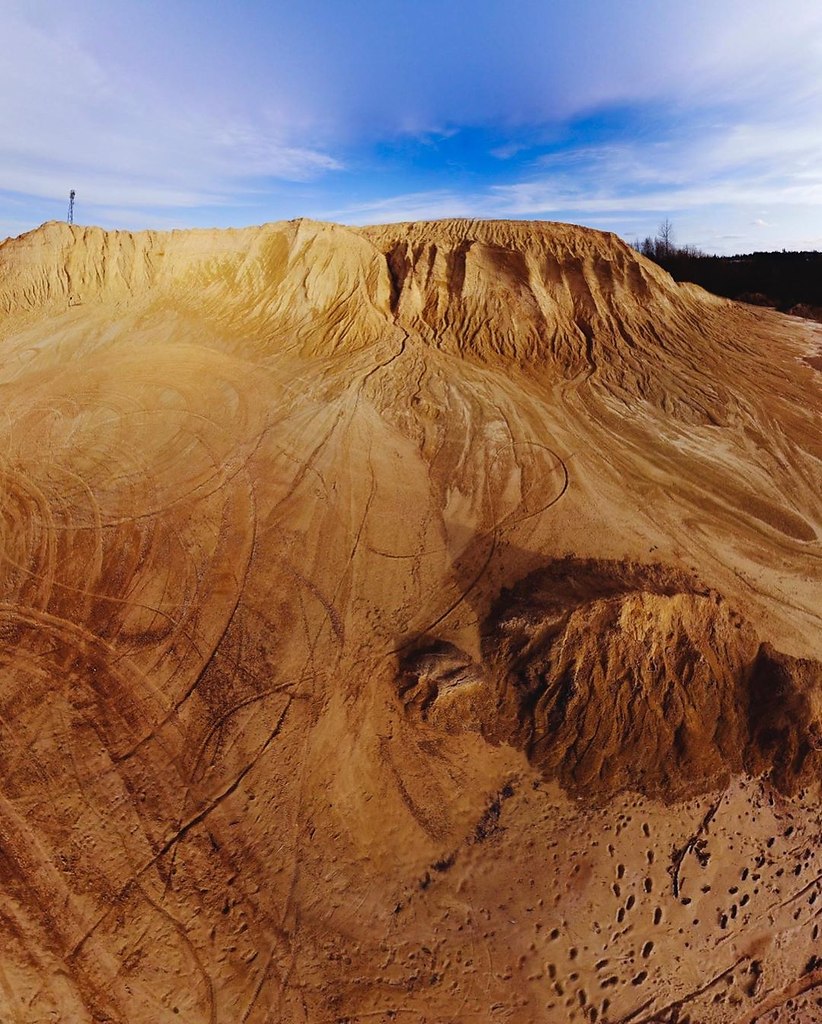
(71, 119)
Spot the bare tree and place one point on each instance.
(663, 247)
(665, 237)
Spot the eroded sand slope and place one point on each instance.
(409, 623)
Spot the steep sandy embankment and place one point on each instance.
(416, 621)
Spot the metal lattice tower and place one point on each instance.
(71, 207)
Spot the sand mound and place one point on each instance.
(296, 285)
(409, 621)
(613, 676)
(564, 301)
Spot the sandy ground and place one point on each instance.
(416, 623)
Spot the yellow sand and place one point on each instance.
(412, 623)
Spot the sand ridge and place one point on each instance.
(405, 622)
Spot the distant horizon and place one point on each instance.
(374, 223)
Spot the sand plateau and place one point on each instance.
(416, 623)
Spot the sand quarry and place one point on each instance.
(415, 623)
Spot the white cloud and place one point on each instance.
(156, 110)
(69, 119)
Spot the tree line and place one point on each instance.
(663, 247)
(788, 281)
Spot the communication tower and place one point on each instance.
(71, 207)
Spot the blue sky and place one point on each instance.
(613, 114)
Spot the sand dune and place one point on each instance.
(416, 622)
